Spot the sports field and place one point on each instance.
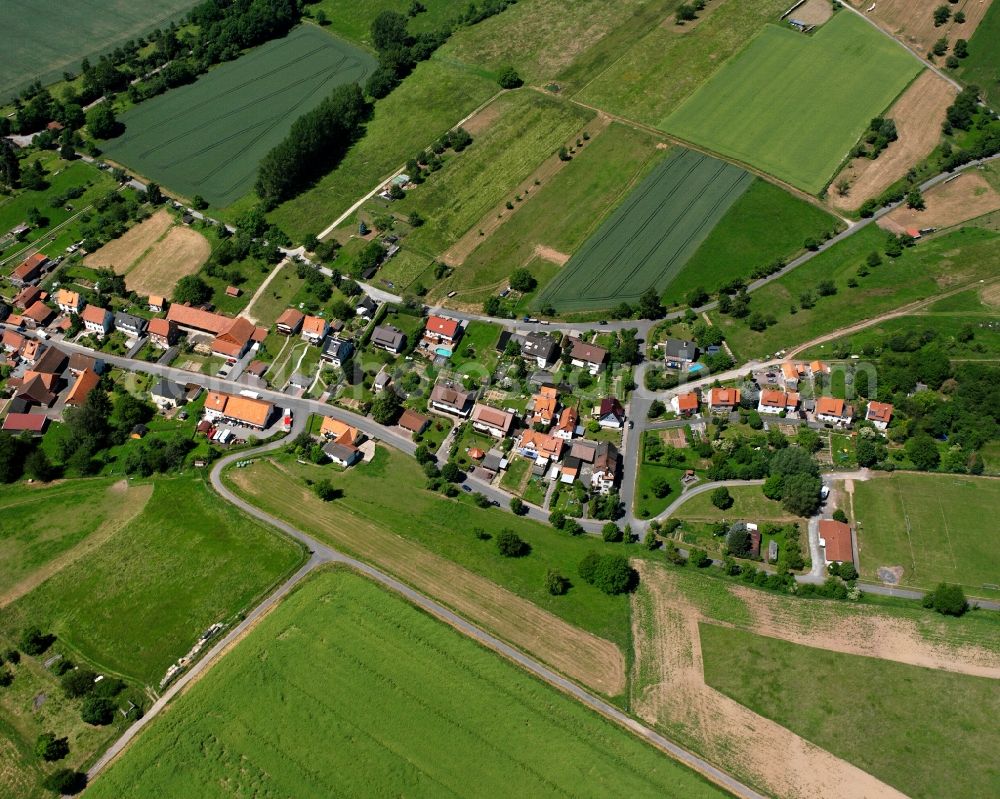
(347, 690)
(207, 138)
(793, 105)
(43, 38)
(927, 732)
(936, 527)
(651, 235)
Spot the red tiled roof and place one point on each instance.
(837, 536)
(21, 422)
(879, 412)
(84, 384)
(726, 397)
(95, 314)
(160, 327)
(39, 312)
(440, 326)
(830, 406)
(687, 402)
(413, 421)
(29, 265)
(186, 316)
(290, 318)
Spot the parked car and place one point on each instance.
(467, 488)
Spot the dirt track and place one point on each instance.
(670, 691)
(124, 251)
(181, 252)
(918, 115)
(964, 198)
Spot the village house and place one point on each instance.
(492, 420)
(366, 307)
(157, 303)
(775, 402)
(342, 454)
(232, 337)
(30, 270)
(448, 399)
(543, 407)
(290, 322)
(724, 400)
(38, 315)
(381, 381)
(237, 409)
(413, 422)
(832, 410)
(69, 301)
(544, 350)
(167, 394)
(96, 320)
(587, 356)
(679, 353)
(31, 350)
(606, 469)
(315, 329)
(132, 326)
(33, 424)
(791, 373)
(40, 384)
(162, 332)
(817, 368)
(879, 414)
(610, 413)
(85, 383)
(28, 296)
(569, 420)
(540, 447)
(337, 351)
(388, 338)
(685, 404)
(342, 441)
(440, 329)
(835, 538)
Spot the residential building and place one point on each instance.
(157, 303)
(382, 381)
(442, 329)
(685, 404)
(51, 360)
(28, 296)
(835, 538)
(32, 423)
(162, 332)
(610, 413)
(606, 469)
(791, 373)
(69, 301)
(388, 338)
(236, 340)
(167, 394)
(79, 363)
(337, 351)
(335, 430)
(37, 315)
(832, 410)
(544, 405)
(492, 420)
(451, 400)
(31, 350)
(775, 402)
(818, 368)
(540, 446)
(290, 322)
(132, 326)
(315, 329)
(569, 470)
(879, 414)
(569, 420)
(414, 422)
(366, 307)
(85, 383)
(237, 409)
(342, 454)
(724, 400)
(587, 356)
(30, 270)
(544, 350)
(96, 320)
(679, 353)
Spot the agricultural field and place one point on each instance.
(334, 646)
(929, 529)
(793, 105)
(425, 105)
(208, 137)
(524, 128)
(558, 216)
(428, 542)
(71, 33)
(649, 237)
(935, 265)
(746, 237)
(935, 730)
(983, 63)
(139, 600)
(966, 197)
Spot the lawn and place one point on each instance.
(276, 297)
(927, 732)
(515, 474)
(651, 235)
(425, 105)
(208, 137)
(302, 688)
(529, 127)
(746, 237)
(793, 105)
(139, 601)
(477, 346)
(933, 526)
(560, 214)
(401, 271)
(72, 32)
(934, 265)
(982, 66)
(749, 504)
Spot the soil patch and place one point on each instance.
(918, 115)
(181, 252)
(550, 254)
(912, 21)
(991, 296)
(670, 692)
(120, 254)
(813, 12)
(674, 437)
(484, 119)
(959, 200)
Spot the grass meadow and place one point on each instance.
(982, 66)
(136, 603)
(793, 105)
(937, 527)
(927, 732)
(208, 137)
(346, 689)
(934, 265)
(647, 240)
(354, 20)
(72, 31)
(747, 237)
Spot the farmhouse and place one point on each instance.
(388, 338)
(544, 405)
(543, 349)
(96, 320)
(162, 332)
(607, 465)
(679, 354)
(835, 538)
(610, 413)
(772, 401)
(336, 351)
(29, 270)
(569, 420)
(492, 420)
(234, 341)
(132, 326)
(290, 322)
(834, 411)
(587, 356)
(414, 422)
(314, 329)
(78, 362)
(85, 383)
(237, 409)
(38, 315)
(69, 301)
(448, 399)
(685, 404)
(723, 400)
(879, 414)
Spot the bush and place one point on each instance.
(34, 642)
(840, 516)
(517, 507)
(721, 498)
(326, 490)
(612, 533)
(511, 545)
(98, 711)
(65, 781)
(947, 599)
(700, 558)
(556, 584)
(50, 748)
(77, 683)
(6, 678)
(848, 572)
(609, 573)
